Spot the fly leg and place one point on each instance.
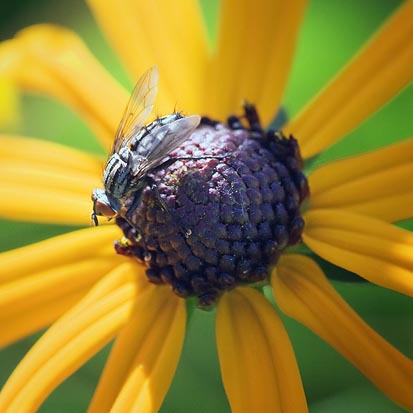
(170, 161)
(148, 181)
(208, 121)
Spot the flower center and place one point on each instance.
(220, 212)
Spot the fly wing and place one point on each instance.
(164, 139)
(138, 109)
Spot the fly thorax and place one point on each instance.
(117, 175)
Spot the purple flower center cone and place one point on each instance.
(222, 213)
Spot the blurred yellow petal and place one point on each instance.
(252, 343)
(25, 202)
(54, 61)
(302, 292)
(371, 248)
(20, 300)
(144, 358)
(338, 173)
(71, 341)
(41, 152)
(378, 183)
(26, 292)
(43, 314)
(391, 208)
(46, 182)
(160, 32)
(256, 44)
(131, 272)
(46, 177)
(39, 282)
(58, 251)
(9, 103)
(376, 74)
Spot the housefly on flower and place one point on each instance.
(139, 149)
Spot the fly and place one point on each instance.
(139, 149)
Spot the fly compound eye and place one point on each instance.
(104, 209)
(101, 206)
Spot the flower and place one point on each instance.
(91, 295)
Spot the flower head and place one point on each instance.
(220, 214)
(215, 217)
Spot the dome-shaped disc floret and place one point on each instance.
(220, 212)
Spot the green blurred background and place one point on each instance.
(332, 32)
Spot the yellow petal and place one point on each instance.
(144, 358)
(376, 74)
(329, 176)
(72, 340)
(303, 292)
(56, 288)
(23, 202)
(54, 61)
(41, 315)
(37, 151)
(46, 182)
(58, 251)
(375, 183)
(371, 248)
(391, 208)
(48, 177)
(26, 292)
(39, 282)
(252, 343)
(161, 32)
(256, 44)
(9, 103)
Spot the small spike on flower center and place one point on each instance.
(221, 214)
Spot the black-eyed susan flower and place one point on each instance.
(91, 295)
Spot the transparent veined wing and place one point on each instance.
(138, 109)
(163, 140)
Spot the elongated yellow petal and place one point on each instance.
(46, 182)
(144, 358)
(48, 177)
(58, 251)
(56, 287)
(27, 292)
(43, 314)
(132, 271)
(384, 185)
(340, 172)
(257, 361)
(378, 72)
(256, 44)
(54, 61)
(160, 32)
(303, 292)
(9, 103)
(70, 342)
(390, 208)
(37, 151)
(27, 203)
(375, 183)
(371, 248)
